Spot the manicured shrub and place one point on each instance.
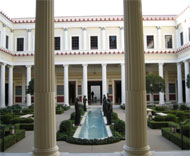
(186, 130)
(159, 118)
(181, 115)
(171, 117)
(16, 107)
(161, 108)
(28, 111)
(122, 107)
(158, 124)
(27, 126)
(72, 116)
(6, 118)
(183, 107)
(119, 126)
(66, 127)
(114, 117)
(66, 108)
(21, 120)
(175, 106)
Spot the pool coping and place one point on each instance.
(77, 132)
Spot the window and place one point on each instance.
(57, 43)
(75, 43)
(18, 90)
(171, 88)
(113, 42)
(20, 44)
(7, 42)
(60, 90)
(94, 42)
(110, 89)
(181, 38)
(189, 34)
(150, 41)
(168, 41)
(79, 90)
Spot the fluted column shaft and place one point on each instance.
(44, 93)
(28, 79)
(187, 90)
(167, 86)
(123, 83)
(66, 85)
(83, 38)
(179, 83)
(103, 38)
(85, 80)
(10, 102)
(161, 74)
(136, 121)
(29, 39)
(23, 88)
(104, 80)
(65, 39)
(2, 91)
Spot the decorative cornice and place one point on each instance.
(184, 47)
(188, 7)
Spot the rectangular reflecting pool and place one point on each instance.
(93, 127)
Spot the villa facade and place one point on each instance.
(89, 51)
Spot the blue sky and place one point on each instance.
(26, 8)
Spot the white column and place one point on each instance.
(159, 37)
(65, 39)
(23, 88)
(66, 85)
(10, 102)
(85, 81)
(121, 38)
(83, 38)
(104, 80)
(177, 37)
(28, 79)
(2, 103)
(161, 74)
(179, 83)
(103, 38)
(123, 83)
(187, 90)
(29, 39)
(44, 90)
(11, 41)
(136, 115)
(167, 86)
(3, 41)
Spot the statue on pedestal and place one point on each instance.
(84, 102)
(109, 112)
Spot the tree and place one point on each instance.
(188, 81)
(30, 89)
(154, 84)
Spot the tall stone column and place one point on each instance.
(44, 110)
(123, 83)
(121, 38)
(2, 91)
(136, 115)
(23, 88)
(159, 37)
(179, 83)
(29, 39)
(66, 85)
(187, 90)
(65, 38)
(11, 40)
(103, 38)
(167, 86)
(28, 79)
(10, 102)
(161, 74)
(104, 80)
(3, 41)
(85, 81)
(83, 38)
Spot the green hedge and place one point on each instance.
(12, 139)
(27, 126)
(158, 124)
(176, 138)
(21, 120)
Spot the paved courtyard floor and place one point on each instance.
(155, 140)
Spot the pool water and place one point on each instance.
(93, 127)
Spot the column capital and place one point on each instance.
(2, 64)
(176, 27)
(179, 63)
(28, 66)
(158, 27)
(121, 28)
(12, 31)
(122, 64)
(84, 65)
(104, 64)
(102, 28)
(83, 28)
(65, 28)
(161, 64)
(186, 61)
(10, 66)
(65, 65)
(4, 25)
(28, 30)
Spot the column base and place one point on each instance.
(130, 151)
(46, 152)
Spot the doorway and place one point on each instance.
(96, 87)
(72, 92)
(118, 92)
(6, 93)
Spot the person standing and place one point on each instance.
(92, 96)
(84, 102)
